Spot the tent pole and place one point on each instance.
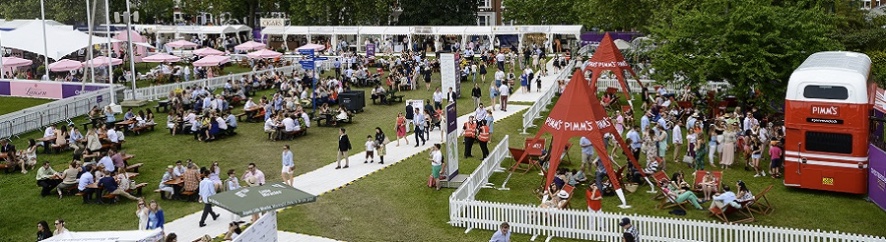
(2, 50)
(129, 44)
(89, 51)
(45, 45)
(110, 63)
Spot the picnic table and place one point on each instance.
(123, 125)
(47, 141)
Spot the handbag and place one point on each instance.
(688, 159)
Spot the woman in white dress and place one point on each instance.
(142, 213)
(30, 156)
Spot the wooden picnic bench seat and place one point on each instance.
(134, 167)
(189, 195)
(393, 97)
(292, 134)
(58, 148)
(140, 129)
(113, 197)
(240, 116)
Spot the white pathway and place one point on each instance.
(327, 178)
(547, 82)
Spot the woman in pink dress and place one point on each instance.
(619, 123)
(401, 128)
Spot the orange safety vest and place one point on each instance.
(484, 134)
(470, 129)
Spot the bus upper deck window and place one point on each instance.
(826, 92)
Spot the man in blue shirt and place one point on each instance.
(503, 234)
(587, 153)
(207, 189)
(337, 66)
(644, 121)
(636, 142)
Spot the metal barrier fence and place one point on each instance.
(35, 118)
(466, 212)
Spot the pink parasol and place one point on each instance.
(208, 51)
(264, 54)
(15, 62)
(161, 57)
(315, 47)
(212, 60)
(181, 44)
(103, 61)
(65, 65)
(250, 45)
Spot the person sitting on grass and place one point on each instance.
(234, 231)
(578, 176)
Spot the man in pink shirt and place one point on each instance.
(775, 153)
(253, 176)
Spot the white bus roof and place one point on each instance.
(832, 68)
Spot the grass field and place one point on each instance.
(12, 104)
(145, 67)
(391, 205)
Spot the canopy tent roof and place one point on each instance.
(65, 65)
(161, 57)
(221, 29)
(251, 200)
(13, 24)
(581, 115)
(264, 54)
(607, 57)
(212, 60)
(62, 40)
(422, 30)
(105, 236)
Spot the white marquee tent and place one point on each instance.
(61, 40)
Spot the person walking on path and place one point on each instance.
(380, 142)
(344, 145)
(493, 94)
(418, 120)
(207, 189)
(410, 113)
(288, 165)
(401, 129)
(504, 91)
(476, 93)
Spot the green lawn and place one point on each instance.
(368, 209)
(12, 104)
(145, 67)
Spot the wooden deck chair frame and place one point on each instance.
(569, 189)
(669, 202)
(699, 175)
(521, 157)
(723, 215)
(761, 204)
(658, 176)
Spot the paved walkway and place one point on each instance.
(327, 178)
(547, 82)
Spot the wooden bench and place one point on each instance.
(134, 167)
(139, 129)
(162, 104)
(58, 148)
(240, 116)
(292, 134)
(188, 195)
(395, 98)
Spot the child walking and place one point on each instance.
(370, 148)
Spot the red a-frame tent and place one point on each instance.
(609, 58)
(579, 113)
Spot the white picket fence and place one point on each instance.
(62, 110)
(466, 212)
(534, 111)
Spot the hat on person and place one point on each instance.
(169, 167)
(563, 194)
(624, 221)
(695, 115)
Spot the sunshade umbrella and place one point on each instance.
(15, 62)
(207, 51)
(264, 54)
(181, 44)
(249, 45)
(621, 44)
(269, 197)
(161, 57)
(65, 65)
(315, 47)
(212, 60)
(103, 61)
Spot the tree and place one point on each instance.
(153, 10)
(452, 12)
(751, 44)
(342, 12)
(625, 15)
(538, 12)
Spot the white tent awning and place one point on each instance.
(60, 40)
(449, 30)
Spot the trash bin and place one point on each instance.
(353, 101)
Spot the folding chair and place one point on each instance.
(699, 176)
(761, 204)
(669, 202)
(569, 189)
(744, 211)
(522, 157)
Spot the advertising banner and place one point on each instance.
(74, 89)
(449, 75)
(370, 50)
(264, 229)
(877, 176)
(452, 141)
(35, 89)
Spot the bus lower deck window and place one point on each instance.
(826, 92)
(828, 142)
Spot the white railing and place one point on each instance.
(602, 226)
(466, 212)
(62, 110)
(480, 177)
(534, 111)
